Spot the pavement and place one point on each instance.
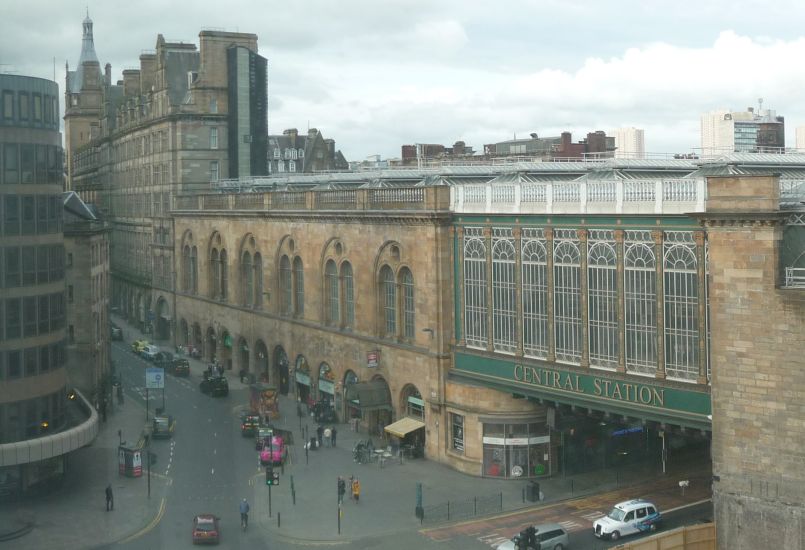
(74, 510)
(388, 493)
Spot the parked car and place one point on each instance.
(162, 427)
(627, 518)
(116, 333)
(215, 386)
(149, 352)
(249, 424)
(206, 529)
(138, 345)
(273, 453)
(163, 359)
(180, 367)
(550, 536)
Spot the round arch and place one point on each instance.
(303, 382)
(279, 374)
(411, 403)
(212, 344)
(326, 385)
(226, 351)
(378, 419)
(244, 357)
(162, 329)
(197, 341)
(261, 360)
(184, 332)
(351, 407)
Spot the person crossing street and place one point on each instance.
(244, 513)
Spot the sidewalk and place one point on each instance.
(74, 512)
(388, 494)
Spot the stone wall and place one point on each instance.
(758, 371)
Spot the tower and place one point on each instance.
(83, 94)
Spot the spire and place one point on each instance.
(87, 54)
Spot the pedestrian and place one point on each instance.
(103, 409)
(356, 489)
(333, 432)
(319, 434)
(110, 498)
(328, 436)
(342, 489)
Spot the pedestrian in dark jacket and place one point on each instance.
(110, 498)
(320, 434)
(332, 436)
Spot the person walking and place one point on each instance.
(110, 498)
(356, 489)
(332, 436)
(319, 434)
(328, 436)
(244, 513)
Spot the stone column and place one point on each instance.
(621, 297)
(457, 238)
(585, 314)
(489, 297)
(658, 254)
(518, 288)
(549, 294)
(701, 276)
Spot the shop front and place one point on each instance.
(373, 400)
(302, 373)
(325, 406)
(352, 408)
(516, 449)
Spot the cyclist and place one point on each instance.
(244, 513)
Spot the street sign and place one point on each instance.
(154, 378)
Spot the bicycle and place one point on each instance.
(244, 520)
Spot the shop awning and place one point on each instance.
(405, 426)
(370, 396)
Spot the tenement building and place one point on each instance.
(41, 421)
(188, 116)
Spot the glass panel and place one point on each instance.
(407, 282)
(389, 293)
(567, 311)
(503, 291)
(640, 288)
(602, 292)
(349, 296)
(475, 306)
(331, 293)
(535, 298)
(681, 310)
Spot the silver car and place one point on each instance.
(551, 536)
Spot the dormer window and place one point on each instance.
(287, 153)
(293, 153)
(292, 166)
(301, 153)
(276, 152)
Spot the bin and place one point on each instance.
(532, 491)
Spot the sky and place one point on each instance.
(376, 74)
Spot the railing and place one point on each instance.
(460, 509)
(660, 196)
(795, 277)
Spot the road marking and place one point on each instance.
(592, 516)
(571, 525)
(215, 451)
(212, 472)
(686, 505)
(154, 522)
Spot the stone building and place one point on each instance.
(41, 421)
(291, 152)
(86, 243)
(757, 301)
(187, 117)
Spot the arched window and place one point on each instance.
(602, 304)
(247, 279)
(535, 294)
(186, 268)
(681, 306)
(299, 286)
(408, 306)
(224, 276)
(388, 296)
(640, 300)
(504, 307)
(331, 293)
(215, 274)
(475, 307)
(567, 312)
(258, 280)
(285, 286)
(194, 270)
(349, 294)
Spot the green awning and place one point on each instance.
(370, 396)
(228, 341)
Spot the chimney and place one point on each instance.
(107, 74)
(311, 133)
(566, 140)
(292, 133)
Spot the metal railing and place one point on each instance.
(461, 509)
(795, 277)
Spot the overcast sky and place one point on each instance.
(375, 74)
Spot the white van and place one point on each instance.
(551, 536)
(628, 517)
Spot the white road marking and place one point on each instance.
(571, 525)
(212, 472)
(592, 516)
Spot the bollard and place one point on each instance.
(448, 510)
(474, 506)
(293, 492)
(571, 486)
(501, 500)
(523, 494)
(278, 520)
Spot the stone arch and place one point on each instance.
(261, 360)
(303, 379)
(163, 319)
(244, 356)
(196, 338)
(225, 349)
(280, 373)
(377, 420)
(211, 344)
(351, 408)
(184, 332)
(411, 403)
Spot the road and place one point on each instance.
(210, 467)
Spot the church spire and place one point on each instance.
(76, 80)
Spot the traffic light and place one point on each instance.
(272, 477)
(342, 488)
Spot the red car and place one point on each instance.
(206, 530)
